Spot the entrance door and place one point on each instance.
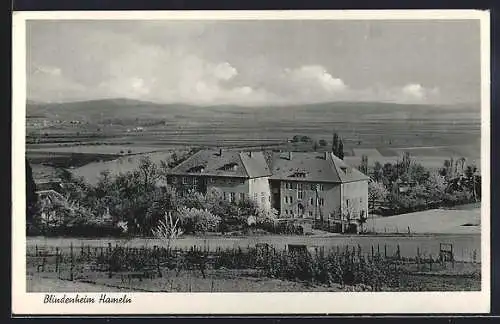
(301, 210)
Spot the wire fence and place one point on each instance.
(378, 266)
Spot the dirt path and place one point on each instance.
(39, 284)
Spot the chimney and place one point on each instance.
(290, 156)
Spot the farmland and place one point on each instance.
(105, 130)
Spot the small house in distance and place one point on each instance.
(299, 185)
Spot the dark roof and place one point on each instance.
(224, 164)
(316, 167)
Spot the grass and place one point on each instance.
(439, 221)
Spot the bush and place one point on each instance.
(198, 220)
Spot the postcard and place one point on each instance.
(251, 162)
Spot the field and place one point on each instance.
(381, 131)
(462, 220)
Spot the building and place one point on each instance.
(305, 185)
(318, 186)
(236, 175)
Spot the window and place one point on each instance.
(233, 197)
(347, 202)
(242, 196)
(184, 180)
(263, 199)
(321, 187)
(290, 199)
(255, 196)
(286, 199)
(288, 185)
(321, 201)
(286, 211)
(224, 195)
(174, 180)
(312, 201)
(195, 181)
(310, 213)
(300, 192)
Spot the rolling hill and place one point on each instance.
(96, 110)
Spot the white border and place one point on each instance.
(245, 303)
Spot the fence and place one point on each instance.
(375, 267)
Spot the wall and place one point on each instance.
(289, 204)
(260, 191)
(357, 193)
(226, 186)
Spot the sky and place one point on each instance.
(254, 62)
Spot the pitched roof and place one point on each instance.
(311, 166)
(224, 164)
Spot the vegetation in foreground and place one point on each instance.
(259, 268)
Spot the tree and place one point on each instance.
(341, 150)
(335, 144)
(364, 164)
(377, 192)
(31, 196)
(378, 173)
(417, 173)
(436, 187)
(315, 146)
(362, 220)
(406, 163)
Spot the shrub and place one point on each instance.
(199, 220)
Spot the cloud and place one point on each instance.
(47, 70)
(417, 92)
(313, 78)
(49, 83)
(224, 71)
(414, 90)
(174, 73)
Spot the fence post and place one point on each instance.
(72, 262)
(57, 259)
(81, 250)
(373, 253)
(418, 258)
(36, 249)
(398, 253)
(385, 251)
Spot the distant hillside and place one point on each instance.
(105, 109)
